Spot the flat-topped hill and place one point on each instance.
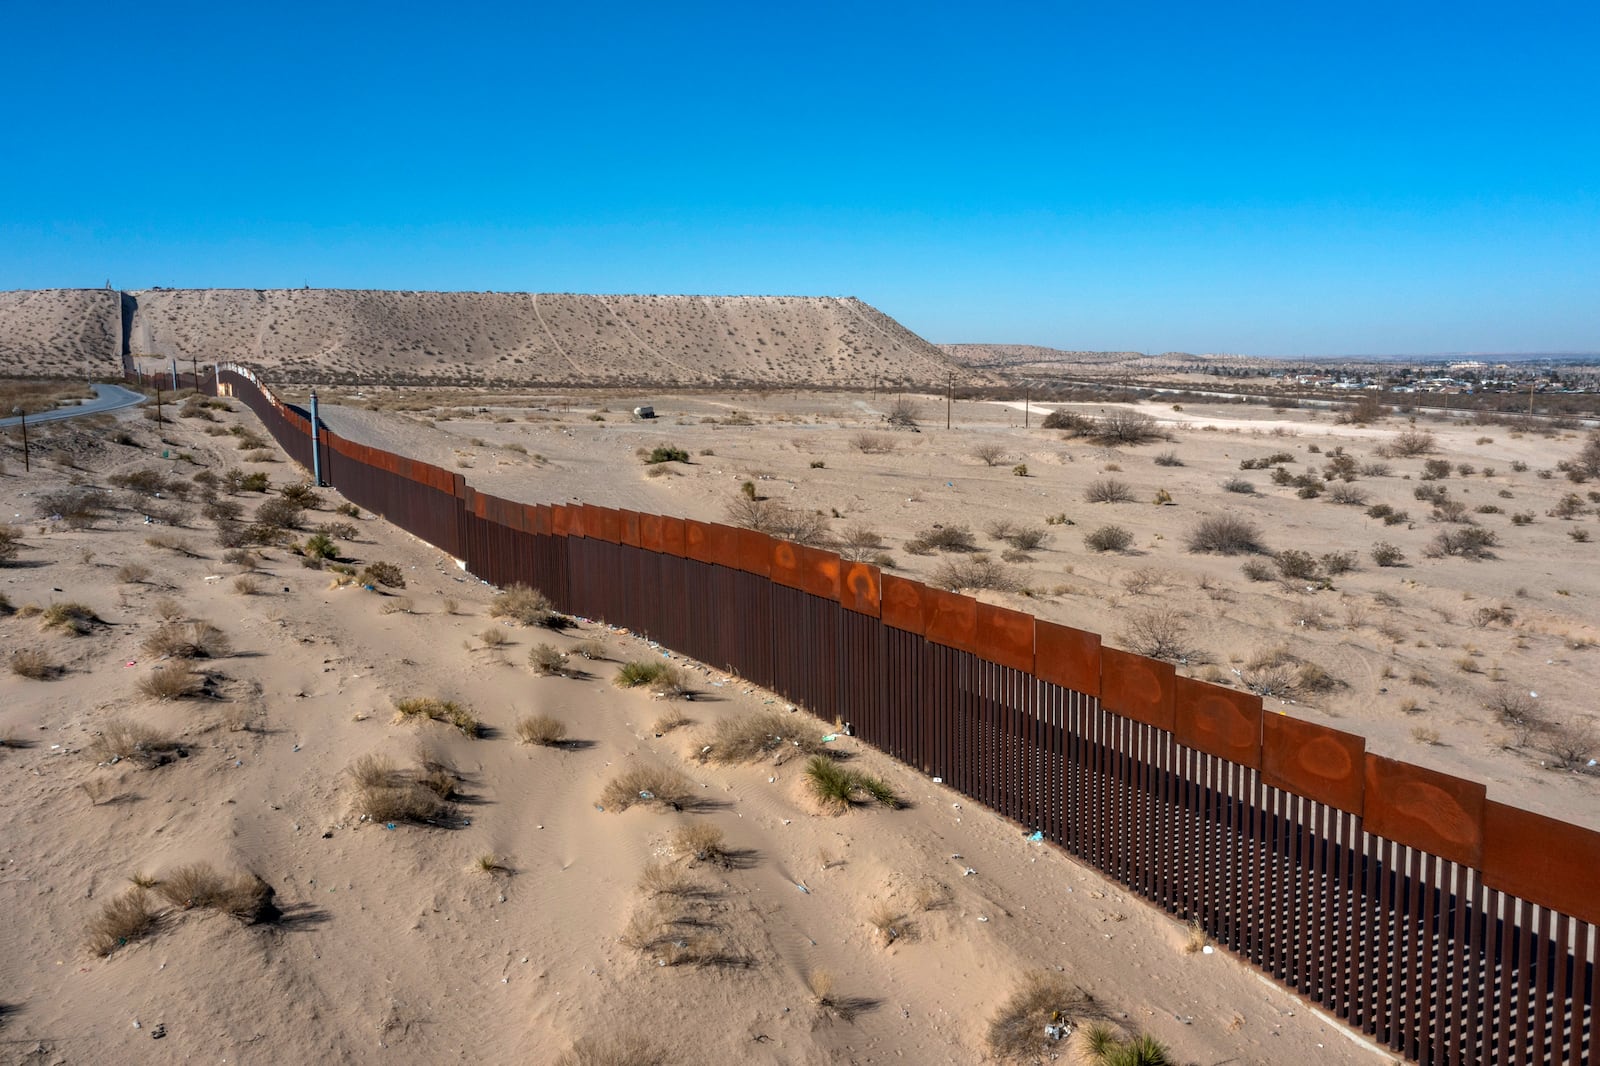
(471, 337)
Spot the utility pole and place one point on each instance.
(949, 393)
(194, 368)
(158, 405)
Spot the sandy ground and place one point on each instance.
(394, 946)
(1416, 667)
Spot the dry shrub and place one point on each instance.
(77, 619)
(1017, 1032)
(382, 574)
(778, 520)
(434, 709)
(647, 784)
(976, 572)
(494, 637)
(120, 739)
(594, 649)
(672, 718)
(172, 682)
(198, 886)
(1409, 443)
(944, 539)
(194, 640)
(1119, 426)
(542, 730)
(662, 678)
(612, 1049)
(246, 585)
(874, 443)
(701, 842)
(1225, 535)
(385, 793)
(175, 544)
(1160, 633)
(756, 736)
(890, 922)
(133, 573)
(121, 921)
(1108, 490)
(547, 660)
(168, 609)
(664, 879)
(10, 543)
(1108, 539)
(33, 664)
(527, 606)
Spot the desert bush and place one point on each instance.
(944, 539)
(1375, 469)
(858, 542)
(989, 454)
(1239, 485)
(527, 606)
(77, 506)
(1296, 565)
(1020, 1030)
(1074, 424)
(777, 519)
(1168, 459)
(302, 494)
(874, 443)
(1336, 563)
(222, 510)
(173, 682)
(1469, 542)
(10, 543)
(385, 575)
(647, 784)
(279, 513)
(236, 481)
(192, 640)
(198, 886)
(666, 453)
(246, 585)
(319, 546)
(758, 736)
(548, 661)
(120, 739)
(701, 842)
(1159, 633)
(1409, 443)
(1108, 539)
(836, 787)
(1348, 495)
(975, 572)
(1120, 426)
(1107, 490)
(1225, 535)
(1020, 470)
(662, 678)
(542, 730)
(121, 921)
(133, 573)
(77, 619)
(1572, 744)
(1256, 570)
(432, 708)
(33, 664)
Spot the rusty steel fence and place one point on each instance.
(1448, 927)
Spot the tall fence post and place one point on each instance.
(316, 442)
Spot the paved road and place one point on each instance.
(106, 398)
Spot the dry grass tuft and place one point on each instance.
(1017, 1031)
(528, 606)
(701, 842)
(756, 736)
(385, 793)
(33, 664)
(241, 895)
(121, 739)
(171, 682)
(542, 730)
(432, 708)
(647, 784)
(548, 661)
(672, 718)
(76, 618)
(122, 920)
(192, 640)
(662, 678)
(246, 585)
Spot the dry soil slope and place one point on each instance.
(1023, 358)
(366, 336)
(60, 332)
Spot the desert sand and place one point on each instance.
(496, 935)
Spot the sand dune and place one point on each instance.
(60, 332)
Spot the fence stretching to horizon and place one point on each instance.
(1450, 928)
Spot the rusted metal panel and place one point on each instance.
(672, 537)
(755, 552)
(1219, 721)
(786, 567)
(723, 546)
(608, 526)
(541, 519)
(697, 540)
(1425, 809)
(859, 588)
(651, 537)
(1137, 687)
(951, 619)
(1067, 657)
(1005, 636)
(1541, 858)
(1311, 760)
(630, 528)
(903, 604)
(819, 572)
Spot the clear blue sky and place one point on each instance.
(1273, 178)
